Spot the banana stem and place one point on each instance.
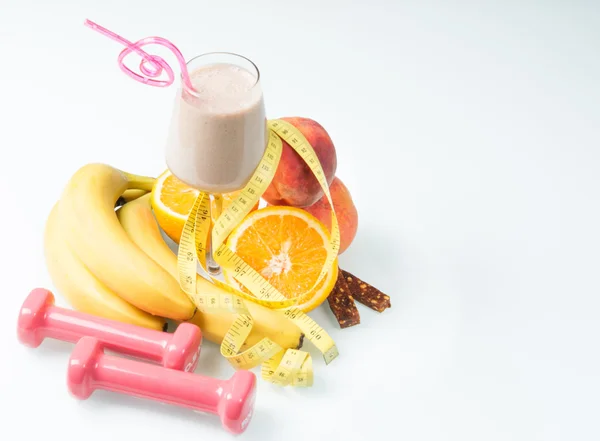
(137, 182)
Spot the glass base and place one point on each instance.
(213, 268)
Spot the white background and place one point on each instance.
(469, 136)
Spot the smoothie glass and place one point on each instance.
(218, 131)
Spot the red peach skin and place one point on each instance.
(294, 183)
(345, 211)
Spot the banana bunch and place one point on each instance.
(115, 263)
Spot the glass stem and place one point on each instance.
(216, 207)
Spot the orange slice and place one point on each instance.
(287, 246)
(172, 201)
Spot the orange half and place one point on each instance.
(287, 246)
(172, 200)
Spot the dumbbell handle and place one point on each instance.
(65, 324)
(154, 382)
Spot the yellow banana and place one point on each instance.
(91, 227)
(129, 196)
(80, 287)
(138, 221)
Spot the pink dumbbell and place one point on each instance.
(39, 318)
(91, 369)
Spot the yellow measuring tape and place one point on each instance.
(279, 366)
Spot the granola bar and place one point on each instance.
(365, 293)
(342, 304)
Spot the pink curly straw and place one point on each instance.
(152, 66)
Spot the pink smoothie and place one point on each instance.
(218, 131)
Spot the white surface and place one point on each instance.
(486, 123)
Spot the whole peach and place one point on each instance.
(294, 183)
(345, 211)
